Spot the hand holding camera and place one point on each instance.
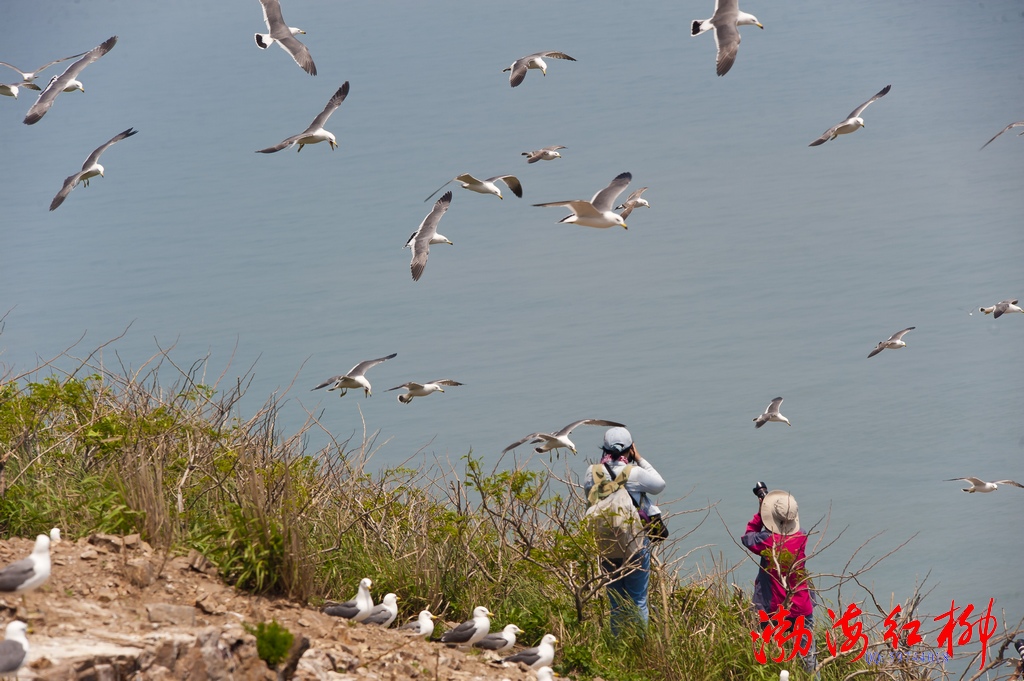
(760, 490)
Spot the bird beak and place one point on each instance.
(760, 26)
(433, 617)
(302, 32)
(624, 226)
(440, 390)
(544, 71)
(490, 614)
(501, 197)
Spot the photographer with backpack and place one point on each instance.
(623, 528)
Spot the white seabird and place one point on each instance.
(14, 648)
(1001, 308)
(470, 631)
(893, 342)
(315, 132)
(546, 674)
(532, 61)
(426, 234)
(541, 656)
(771, 413)
(91, 168)
(560, 438)
(355, 378)
(978, 485)
(30, 76)
(545, 154)
(384, 613)
(487, 186)
(12, 89)
(284, 35)
(421, 389)
(784, 675)
(66, 81)
(598, 211)
(852, 123)
(726, 21)
(634, 201)
(500, 641)
(28, 573)
(54, 535)
(357, 609)
(423, 625)
(1011, 126)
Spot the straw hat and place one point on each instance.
(779, 512)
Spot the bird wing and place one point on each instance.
(585, 422)
(627, 209)
(25, 75)
(98, 151)
(1009, 127)
(12, 653)
(555, 55)
(281, 145)
(379, 615)
(69, 183)
(554, 147)
(518, 72)
(445, 381)
(825, 136)
(529, 438)
(727, 38)
(362, 367)
(299, 52)
(528, 656)
(56, 86)
(466, 178)
(881, 93)
(511, 181)
(15, 574)
(605, 199)
(1008, 482)
(427, 229)
(332, 104)
(461, 633)
(30, 76)
(411, 385)
(899, 334)
(274, 19)
(578, 206)
(348, 610)
(878, 349)
(330, 381)
(634, 196)
(773, 406)
(492, 642)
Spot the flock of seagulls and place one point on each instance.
(21, 577)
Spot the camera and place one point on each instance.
(760, 490)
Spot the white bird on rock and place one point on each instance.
(501, 641)
(384, 613)
(423, 625)
(14, 648)
(535, 658)
(29, 573)
(357, 609)
(470, 631)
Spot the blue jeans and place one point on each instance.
(628, 593)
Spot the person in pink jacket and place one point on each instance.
(782, 581)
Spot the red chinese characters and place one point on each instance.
(986, 624)
(774, 630)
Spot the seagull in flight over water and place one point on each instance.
(597, 212)
(978, 485)
(532, 61)
(315, 132)
(355, 378)
(560, 438)
(726, 21)
(90, 169)
(893, 342)
(284, 35)
(771, 413)
(66, 81)
(852, 123)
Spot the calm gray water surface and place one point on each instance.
(763, 268)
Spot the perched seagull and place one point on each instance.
(546, 674)
(358, 609)
(14, 648)
(545, 154)
(90, 169)
(470, 631)
(893, 342)
(384, 613)
(28, 573)
(426, 234)
(977, 485)
(535, 658)
(598, 211)
(421, 626)
(726, 21)
(484, 186)
(421, 389)
(1001, 308)
(560, 438)
(284, 35)
(66, 81)
(315, 132)
(532, 61)
(30, 76)
(634, 201)
(55, 535)
(852, 123)
(355, 378)
(1009, 127)
(501, 641)
(783, 675)
(771, 413)
(11, 90)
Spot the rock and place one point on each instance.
(108, 542)
(141, 572)
(167, 613)
(89, 554)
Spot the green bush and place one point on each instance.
(272, 641)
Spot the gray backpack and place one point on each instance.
(612, 514)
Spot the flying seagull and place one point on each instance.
(634, 201)
(66, 81)
(560, 438)
(358, 609)
(1009, 127)
(501, 641)
(91, 168)
(14, 648)
(355, 378)
(315, 132)
(771, 413)
(532, 61)
(384, 613)
(535, 658)
(598, 211)
(852, 123)
(484, 186)
(893, 342)
(284, 35)
(12, 89)
(977, 485)
(726, 21)
(421, 389)
(545, 154)
(29, 76)
(1001, 308)
(421, 626)
(426, 234)
(470, 631)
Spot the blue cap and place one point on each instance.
(617, 440)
